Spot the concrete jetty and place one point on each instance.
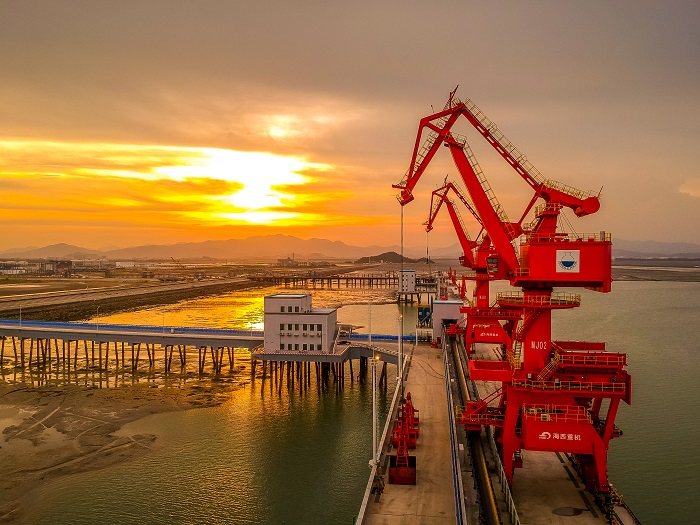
(431, 500)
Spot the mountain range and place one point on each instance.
(271, 247)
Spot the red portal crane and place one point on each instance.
(483, 320)
(553, 392)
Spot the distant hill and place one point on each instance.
(54, 251)
(650, 249)
(259, 247)
(272, 247)
(269, 247)
(391, 257)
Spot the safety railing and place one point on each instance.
(519, 160)
(576, 386)
(428, 143)
(384, 441)
(426, 146)
(481, 418)
(459, 219)
(557, 413)
(515, 157)
(510, 503)
(595, 359)
(460, 504)
(548, 207)
(556, 299)
(521, 272)
(566, 237)
(569, 190)
(488, 191)
(129, 327)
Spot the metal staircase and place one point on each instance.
(548, 370)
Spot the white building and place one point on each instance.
(292, 325)
(408, 281)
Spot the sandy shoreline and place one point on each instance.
(48, 432)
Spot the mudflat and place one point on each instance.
(50, 431)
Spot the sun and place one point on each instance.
(264, 183)
(214, 186)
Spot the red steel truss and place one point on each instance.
(559, 396)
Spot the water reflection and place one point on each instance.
(244, 310)
(286, 446)
(273, 453)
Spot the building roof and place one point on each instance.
(322, 310)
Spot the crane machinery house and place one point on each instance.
(293, 325)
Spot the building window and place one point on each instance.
(318, 327)
(282, 309)
(296, 327)
(281, 326)
(289, 327)
(319, 347)
(296, 347)
(289, 346)
(289, 309)
(305, 328)
(305, 346)
(296, 308)
(281, 346)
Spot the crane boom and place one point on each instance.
(440, 197)
(437, 131)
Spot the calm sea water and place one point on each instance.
(655, 463)
(267, 457)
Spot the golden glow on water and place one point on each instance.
(238, 311)
(271, 448)
(244, 310)
(267, 455)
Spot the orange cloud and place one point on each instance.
(97, 194)
(691, 187)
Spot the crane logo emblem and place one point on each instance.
(568, 261)
(545, 435)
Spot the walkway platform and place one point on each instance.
(342, 351)
(431, 500)
(132, 334)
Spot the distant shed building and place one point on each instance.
(292, 324)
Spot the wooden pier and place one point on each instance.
(311, 280)
(69, 354)
(53, 350)
(99, 347)
(425, 285)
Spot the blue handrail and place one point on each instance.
(132, 327)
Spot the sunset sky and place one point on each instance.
(155, 122)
